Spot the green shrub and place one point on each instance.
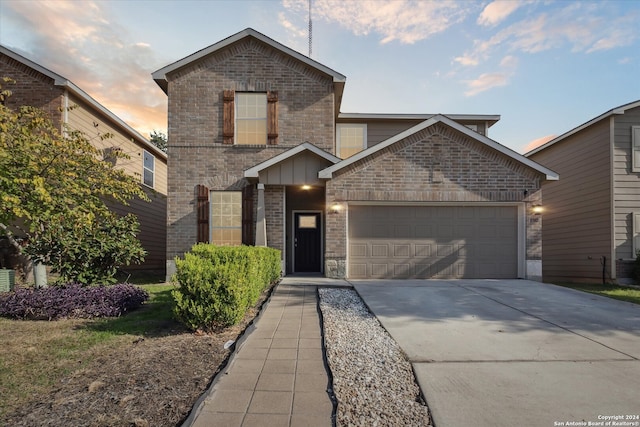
(218, 284)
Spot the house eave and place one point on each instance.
(490, 119)
(160, 76)
(614, 111)
(75, 90)
(440, 118)
(254, 172)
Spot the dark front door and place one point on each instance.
(307, 239)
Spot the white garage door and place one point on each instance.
(433, 242)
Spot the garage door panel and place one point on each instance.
(380, 270)
(358, 250)
(380, 251)
(438, 242)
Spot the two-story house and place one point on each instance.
(68, 105)
(592, 216)
(259, 153)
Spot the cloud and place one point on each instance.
(582, 27)
(405, 21)
(538, 142)
(497, 12)
(78, 41)
(488, 81)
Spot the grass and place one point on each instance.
(623, 293)
(35, 355)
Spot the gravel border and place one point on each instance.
(373, 381)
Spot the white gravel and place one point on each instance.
(372, 380)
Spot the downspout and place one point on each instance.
(613, 275)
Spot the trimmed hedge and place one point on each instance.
(218, 284)
(71, 301)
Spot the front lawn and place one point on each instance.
(624, 293)
(36, 355)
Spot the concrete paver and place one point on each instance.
(506, 353)
(277, 375)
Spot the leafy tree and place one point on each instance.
(159, 139)
(54, 189)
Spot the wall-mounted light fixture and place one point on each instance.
(537, 209)
(306, 187)
(335, 208)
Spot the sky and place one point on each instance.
(544, 66)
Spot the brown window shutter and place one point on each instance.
(272, 117)
(202, 208)
(248, 237)
(228, 113)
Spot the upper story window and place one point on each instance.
(250, 118)
(635, 148)
(351, 138)
(148, 168)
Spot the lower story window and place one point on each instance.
(226, 217)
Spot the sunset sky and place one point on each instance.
(544, 66)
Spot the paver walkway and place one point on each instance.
(277, 376)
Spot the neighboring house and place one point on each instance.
(259, 153)
(592, 216)
(69, 105)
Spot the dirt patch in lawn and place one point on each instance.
(147, 381)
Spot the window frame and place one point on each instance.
(635, 149)
(340, 127)
(238, 119)
(213, 215)
(147, 154)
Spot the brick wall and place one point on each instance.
(196, 151)
(437, 164)
(31, 88)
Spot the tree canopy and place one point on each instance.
(159, 139)
(53, 182)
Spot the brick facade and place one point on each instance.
(31, 88)
(196, 151)
(437, 164)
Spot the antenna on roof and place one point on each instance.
(310, 29)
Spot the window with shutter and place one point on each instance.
(250, 118)
(635, 148)
(226, 217)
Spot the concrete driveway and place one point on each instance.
(514, 352)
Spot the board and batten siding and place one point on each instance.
(576, 223)
(626, 183)
(82, 118)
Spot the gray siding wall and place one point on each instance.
(576, 230)
(380, 130)
(626, 183)
(152, 217)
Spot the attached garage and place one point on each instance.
(447, 242)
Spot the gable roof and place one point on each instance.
(439, 118)
(59, 80)
(305, 146)
(618, 110)
(160, 76)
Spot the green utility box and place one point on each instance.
(7, 280)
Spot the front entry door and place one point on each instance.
(307, 242)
